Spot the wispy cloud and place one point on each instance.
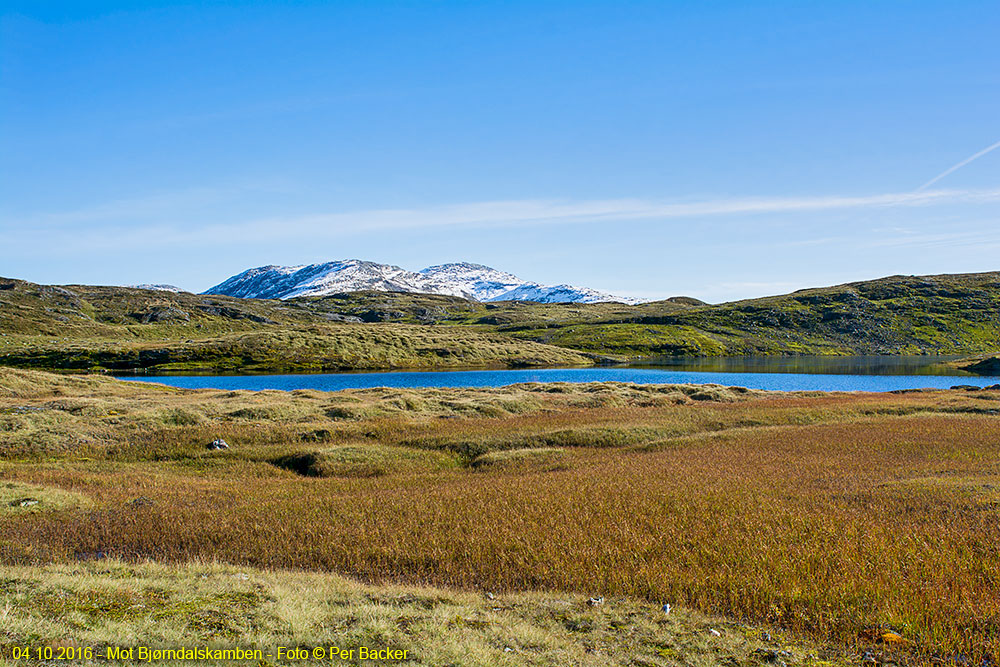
(980, 239)
(501, 213)
(150, 209)
(137, 208)
(121, 224)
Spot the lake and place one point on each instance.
(783, 373)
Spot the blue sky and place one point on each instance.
(717, 149)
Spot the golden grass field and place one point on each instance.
(111, 603)
(862, 522)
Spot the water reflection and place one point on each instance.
(855, 365)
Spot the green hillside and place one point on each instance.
(79, 327)
(947, 314)
(83, 327)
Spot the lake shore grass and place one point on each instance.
(287, 349)
(838, 518)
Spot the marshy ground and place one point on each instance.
(843, 526)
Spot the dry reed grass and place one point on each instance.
(829, 515)
(112, 603)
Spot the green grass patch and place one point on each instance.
(364, 461)
(18, 499)
(519, 458)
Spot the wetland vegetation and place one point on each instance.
(847, 524)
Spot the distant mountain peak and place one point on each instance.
(463, 279)
(462, 265)
(158, 288)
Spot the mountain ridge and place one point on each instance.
(477, 282)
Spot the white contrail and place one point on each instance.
(959, 166)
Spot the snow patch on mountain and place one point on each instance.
(557, 294)
(158, 288)
(476, 281)
(470, 281)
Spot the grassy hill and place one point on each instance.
(79, 327)
(947, 314)
(83, 327)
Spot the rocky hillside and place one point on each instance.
(84, 327)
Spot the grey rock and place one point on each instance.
(337, 317)
(162, 314)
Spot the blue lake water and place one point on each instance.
(787, 374)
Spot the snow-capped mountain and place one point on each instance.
(158, 288)
(475, 280)
(285, 282)
(471, 281)
(558, 294)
